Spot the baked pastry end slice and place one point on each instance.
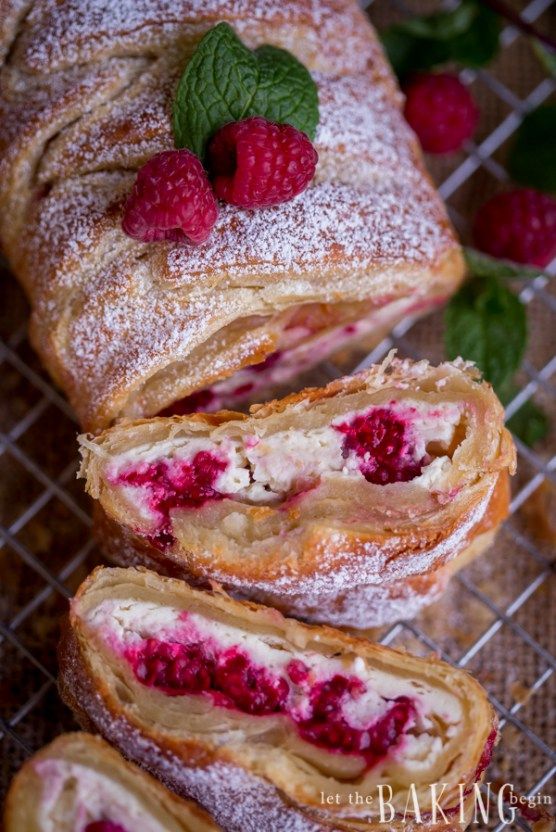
(261, 718)
(78, 783)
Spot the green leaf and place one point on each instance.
(479, 44)
(468, 35)
(532, 159)
(529, 423)
(224, 81)
(545, 56)
(407, 53)
(443, 25)
(486, 323)
(286, 92)
(482, 265)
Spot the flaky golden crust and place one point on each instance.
(345, 551)
(383, 603)
(34, 784)
(217, 774)
(126, 329)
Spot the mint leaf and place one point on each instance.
(407, 53)
(224, 81)
(443, 25)
(479, 44)
(486, 323)
(545, 56)
(529, 423)
(532, 159)
(286, 92)
(483, 265)
(468, 35)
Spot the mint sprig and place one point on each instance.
(486, 323)
(483, 265)
(529, 423)
(467, 35)
(225, 81)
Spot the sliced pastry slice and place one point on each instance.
(271, 724)
(339, 505)
(79, 783)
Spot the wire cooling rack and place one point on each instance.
(497, 618)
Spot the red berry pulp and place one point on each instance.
(104, 826)
(232, 680)
(193, 403)
(268, 362)
(176, 483)
(382, 440)
(229, 676)
(327, 726)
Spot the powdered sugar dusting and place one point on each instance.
(110, 314)
(74, 219)
(329, 224)
(360, 135)
(125, 132)
(65, 32)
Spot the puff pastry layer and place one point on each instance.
(257, 717)
(79, 783)
(127, 329)
(341, 505)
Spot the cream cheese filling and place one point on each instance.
(75, 795)
(122, 624)
(265, 468)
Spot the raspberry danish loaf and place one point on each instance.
(340, 505)
(261, 718)
(79, 783)
(128, 328)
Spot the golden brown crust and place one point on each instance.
(86, 755)
(384, 603)
(127, 329)
(342, 540)
(213, 772)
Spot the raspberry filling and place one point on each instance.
(382, 440)
(232, 680)
(175, 483)
(104, 826)
(201, 400)
(327, 727)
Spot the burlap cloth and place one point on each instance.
(510, 655)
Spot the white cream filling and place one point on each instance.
(301, 349)
(265, 468)
(75, 795)
(123, 624)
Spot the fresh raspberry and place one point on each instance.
(255, 163)
(441, 110)
(171, 200)
(518, 225)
